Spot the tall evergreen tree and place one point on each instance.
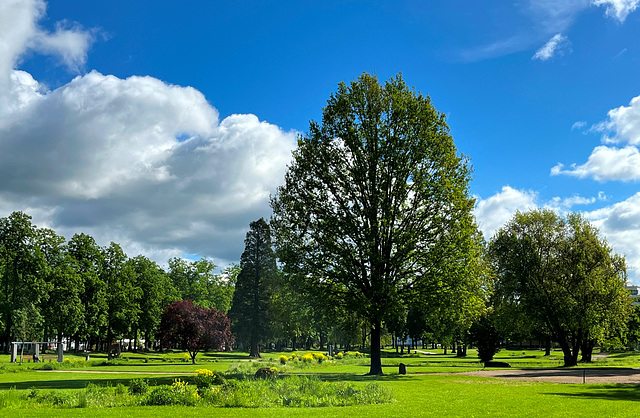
(249, 314)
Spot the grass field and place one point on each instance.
(419, 393)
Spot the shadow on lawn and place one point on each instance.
(613, 392)
(354, 377)
(79, 383)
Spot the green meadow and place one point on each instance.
(434, 386)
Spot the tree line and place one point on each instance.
(93, 296)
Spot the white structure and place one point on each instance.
(14, 349)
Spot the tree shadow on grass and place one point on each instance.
(613, 392)
(355, 377)
(79, 383)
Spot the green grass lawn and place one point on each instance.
(414, 394)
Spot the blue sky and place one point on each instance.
(164, 126)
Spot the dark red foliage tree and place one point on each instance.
(194, 328)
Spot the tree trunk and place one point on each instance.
(376, 360)
(587, 350)
(547, 345)
(255, 349)
(570, 358)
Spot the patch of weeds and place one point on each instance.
(179, 393)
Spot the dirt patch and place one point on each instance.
(596, 376)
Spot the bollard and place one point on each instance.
(402, 368)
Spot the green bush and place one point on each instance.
(138, 386)
(179, 393)
(266, 373)
(205, 378)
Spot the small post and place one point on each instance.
(60, 352)
(14, 352)
(584, 376)
(402, 368)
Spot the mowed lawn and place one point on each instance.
(420, 393)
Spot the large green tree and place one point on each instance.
(22, 269)
(250, 308)
(375, 205)
(87, 258)
(561, 274)
(156, 293)
(122, 294)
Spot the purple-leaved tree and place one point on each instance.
(194, 328)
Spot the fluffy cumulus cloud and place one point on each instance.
(604, 164)
(556, 46)
(610, 162)
(620, 224)
(21, 33)
(136, 160)
(492, 213)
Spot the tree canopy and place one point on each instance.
(375, 205)
(561, 275)
(194, 328)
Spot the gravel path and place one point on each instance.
(608, 375)
(109, 372)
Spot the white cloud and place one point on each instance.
(622, 125)
(606, 162)
(556, 46)
(579, 125)
(620, 224)
(136, 160)
(618, 9)
(492, 213)
(20, 33)
(546, 17)
(555, 15)
(69, 41)
(565, 204)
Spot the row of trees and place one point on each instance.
(94, 295)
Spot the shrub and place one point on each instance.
(266, 373)
(138, 386)
(338, 356)
(179, 393)
(307, 357)
(319, 357)
(205, 378)
(283, 359)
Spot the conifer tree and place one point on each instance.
(250, 314)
